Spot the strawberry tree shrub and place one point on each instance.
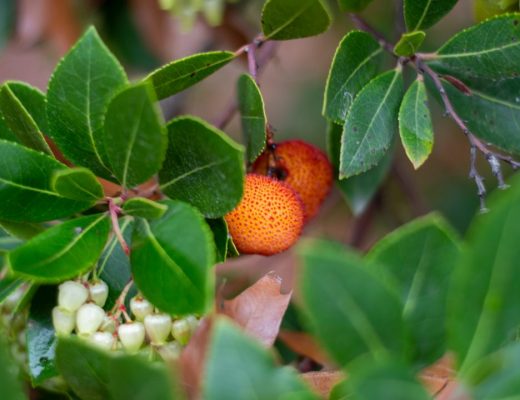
(112, 296)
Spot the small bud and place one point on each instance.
(63, 321)
(158, 327)
(108, 324)
(170, 351)
(131, 336)
(103, 340)
(181, 331)
(72, 295)
(193, 322)
(89, 318)
(98, 292)
(140, 307)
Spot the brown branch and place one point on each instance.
(362, 24)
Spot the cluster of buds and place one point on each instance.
(80, 310)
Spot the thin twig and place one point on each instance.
(362, 24)
(119, 305)
(252, 64)
(114, 210)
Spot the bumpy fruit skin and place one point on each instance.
(304, 168)
(269, 218)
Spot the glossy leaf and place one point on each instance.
(488, 50)
(94, 374)
(34, 101)
(114, 264)
(41, 338)
(491, 112)
(293, 19)
(20, 122)
(252, 366)
(360, 189)
(334, 284)
(422, 14)
(409, 43)
(415, 124)
(355, 63)
(144, 208)
(25, 177)
(389, 380)
(371, 124)
(8, 285)
(203, 167)
(62, 251)
(181, 74)
(220, 236)
(133, 121)
(252, 114)
(79, 92)
(484, 304)
(421, 257)
(353, 5)
(77, 184)
(21, 230)
(171, 260)
(9, 379)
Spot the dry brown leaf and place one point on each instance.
(193, 357)
(322, 382)
(304, 344)
(260, 308)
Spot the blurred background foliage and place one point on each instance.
(34, 34)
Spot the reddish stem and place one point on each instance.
(114, 210)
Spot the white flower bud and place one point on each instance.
(131, 336)
(89, 318)
(103, 340)
(158, 327)
(193, 322)
(140, 307)
(98, 292)
(181, 331)
(108, 324)
(63, 321)
(72, 295)
(170, 351)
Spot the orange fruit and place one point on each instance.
(268, 219)
(304, 168)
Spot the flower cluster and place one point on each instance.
(80, 311)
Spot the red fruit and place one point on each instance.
(303, 167)
(269, 218)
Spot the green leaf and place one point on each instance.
(220, 236)
(389, 380)
(135, 138)
(77, 184)
(185, 72)
(253, 367)
(41, 338)
(371, 124)
(422, 14)
(8, 285)
(79, 91)
(9, 379)
(409, 43)
(144, 208)
(334, 284)
(95, 374)
(415, 124)
(33, 100)
(421, 257)
(294, 19)
(171, 260)
(484, 306)
(25, 177)
(20, 122)
(484, 9)
(203, 167)
(353, 5)
(355, 63)
(360, 189)
(496, 376)
(114, 264)
(491, 112)
(62, 251)
(488, 50)
(21, 230)
(252, 114)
